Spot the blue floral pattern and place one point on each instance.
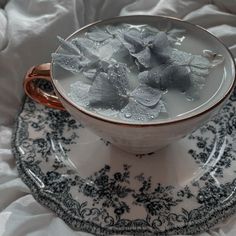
(159, 200)
(222, 131)
(42, 144)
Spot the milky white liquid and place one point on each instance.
(177, 104)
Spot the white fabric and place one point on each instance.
(28, 30)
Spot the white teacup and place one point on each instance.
(138, 138)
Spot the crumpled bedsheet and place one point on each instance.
(28, 30)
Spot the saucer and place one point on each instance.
(186, 188)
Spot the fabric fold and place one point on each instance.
(28, 31)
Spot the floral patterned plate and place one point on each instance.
(183, 189)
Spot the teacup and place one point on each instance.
(138, 138)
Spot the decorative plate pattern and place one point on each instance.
(185, 188)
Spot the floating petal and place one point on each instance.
(116, 31)
(135, 111)
(79, 93)
(148, 39)
(98, 35)
(143, 77)
(104, 94)
(146, 95)
(133, 41)
(148, 31)
(103, 66)
(144, 57)
(87, 47)
(113, 50)
(160, 43)
(90, 74)
(117, 74)
(153, 77)
(197, 83)
(177, 77)
(68, 46)
(166, 77)
(180, 58)
(120, 52)
(72, 63)
(162, 58)
(200, 62)
(199, 71)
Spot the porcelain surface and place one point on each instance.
(94, 187)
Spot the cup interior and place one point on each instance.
(218, 84)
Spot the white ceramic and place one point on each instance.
(149, 137)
